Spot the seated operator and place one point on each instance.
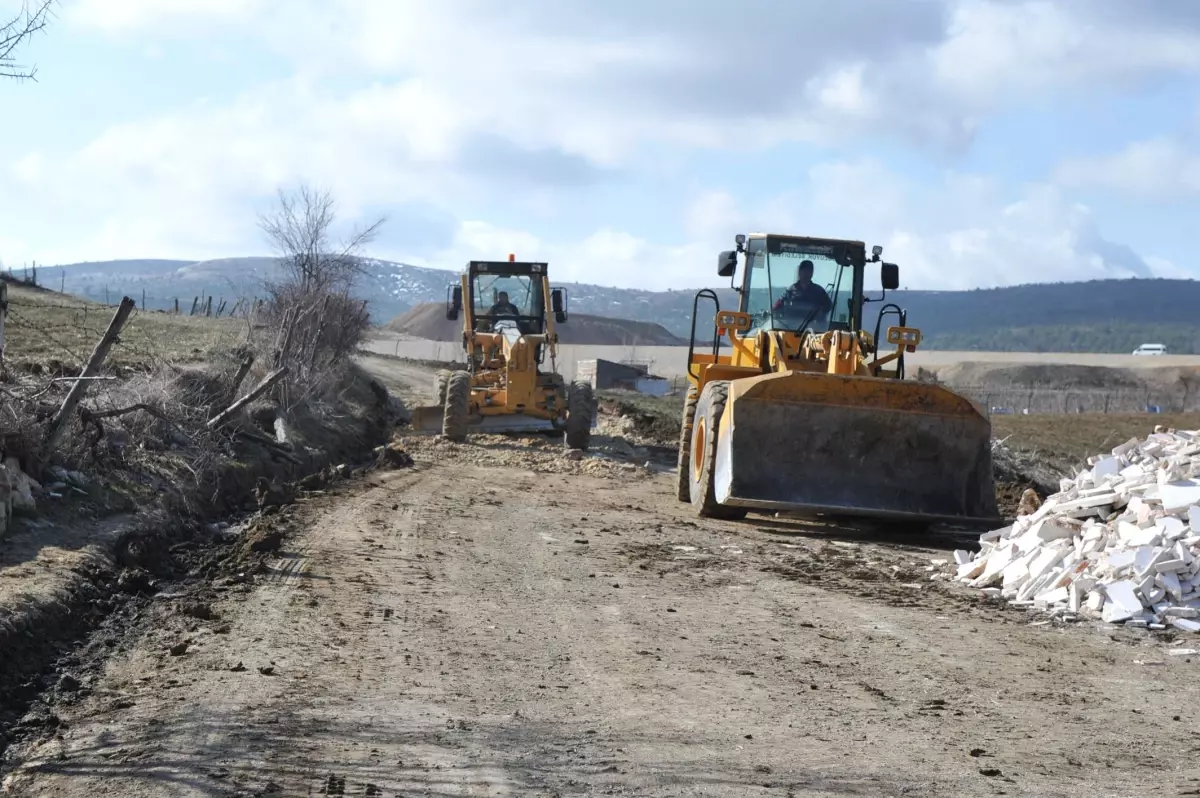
(805, 297)
(503, 307)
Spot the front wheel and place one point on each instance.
(439, 385)
(703, 455)
(456, 415)
(581, 412)
(683, 478)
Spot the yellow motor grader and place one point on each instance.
(509, 314)
(798, 408)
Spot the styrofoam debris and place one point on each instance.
(1120, 541)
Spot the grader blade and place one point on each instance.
(855, 446)
(428, 418)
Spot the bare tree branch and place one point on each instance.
(29, 20)
(300, 232)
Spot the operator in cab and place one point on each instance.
(805, 297)
(503, 306)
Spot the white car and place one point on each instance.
(1150, 349)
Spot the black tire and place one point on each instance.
(685, 448)
(581, 410)
(456, 415)
(703, 454)
(439, 385)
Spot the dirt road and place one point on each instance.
(563, 627)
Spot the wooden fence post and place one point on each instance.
(58, 424)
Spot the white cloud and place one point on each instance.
(472, 104)
(606, 257)
(549, 74)
(960, 233)
(125, 16)
(1154, 169)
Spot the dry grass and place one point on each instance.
(45, 326)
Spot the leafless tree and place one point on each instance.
(32, 18)
(300, 231)
(311, 321)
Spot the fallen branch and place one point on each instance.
(270, 443)
(240, 376)
(92, 417)
(122, 411)
(223, 418)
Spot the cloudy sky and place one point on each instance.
(981, 142)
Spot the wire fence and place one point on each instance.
(1174, 399)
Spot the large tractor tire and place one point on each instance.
(703, 454)
(581, 411)
(439, 385)
(685, 448)
(456, 414)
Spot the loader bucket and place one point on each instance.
(855, 446)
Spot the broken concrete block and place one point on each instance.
(1123, 593)
(972, 570)
(1177, 496)
(1186, 624)
(1170, 566)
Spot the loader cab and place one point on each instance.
(796, 283)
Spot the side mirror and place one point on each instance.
(727, 263)
(889, 276)
(454, 302)
(558, 305)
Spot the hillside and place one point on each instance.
(1096, 316)
(429, 321)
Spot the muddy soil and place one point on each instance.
(530, 627)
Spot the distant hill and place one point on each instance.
(429, 321)
(1096, 316)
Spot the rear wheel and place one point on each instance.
(685, 448)
(456, 414)
(703, 455)
(439, 385)
(581, 411)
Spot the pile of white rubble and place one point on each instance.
(1120, 541)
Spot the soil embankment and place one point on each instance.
(1074, 388)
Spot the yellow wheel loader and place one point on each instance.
(798, 408)
(509, 314)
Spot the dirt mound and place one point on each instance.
(1039, 375)
(428, 321)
